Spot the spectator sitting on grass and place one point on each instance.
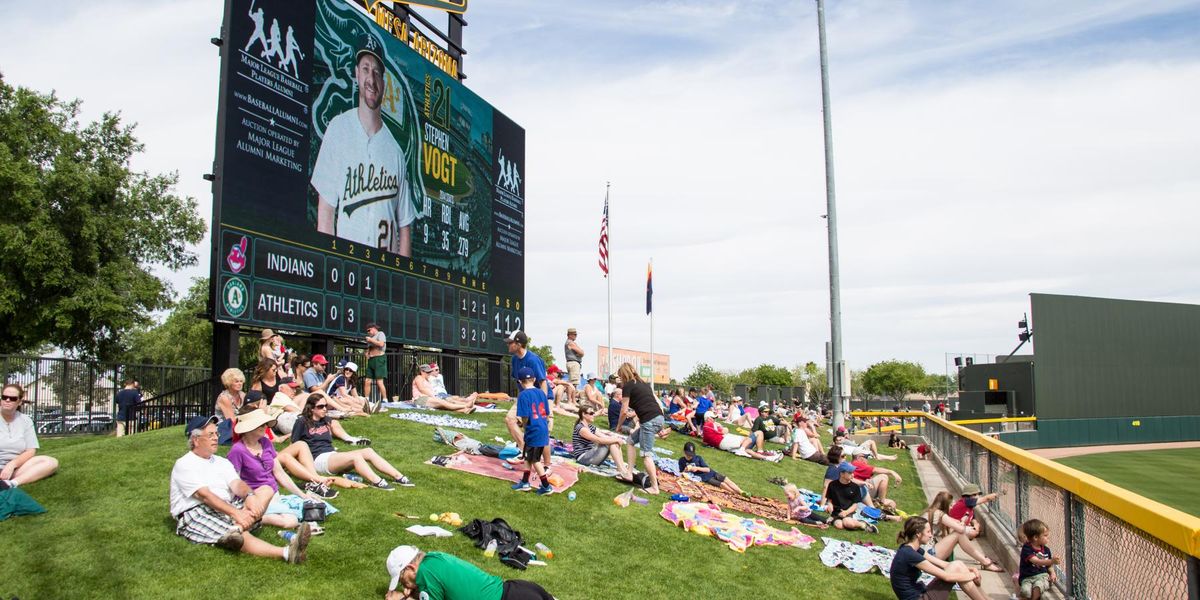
(253, 457)
(590, 447)
(693, 463)
(440, 576)
(317, 430)
(425, 395)
(715, 435)
(845, 498)
(766, 426)
(911, 560)
(876, 479)
(592, 394)
(343, 396)
(211, 505)
(799, 509)
(949, 533)
(804, 444)
(19, 462)
(614, 414)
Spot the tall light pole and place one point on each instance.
(835, 300)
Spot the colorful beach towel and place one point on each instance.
(738, 533)
(495, 468)
(439, 420)
(861, 559)
(767, 508)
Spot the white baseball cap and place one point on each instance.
(351, 366)
(397, 560)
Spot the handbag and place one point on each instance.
(313, 511)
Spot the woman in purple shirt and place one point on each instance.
(253, 456)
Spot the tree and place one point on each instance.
(813, 379)
(79, 231)
(184, 338)
(765, 374)
(703, 375)
(893, 379)
(938, 385)
(545, 352)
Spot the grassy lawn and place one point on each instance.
(108, 533)
(1171, 477)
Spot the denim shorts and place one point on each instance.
(644, 435)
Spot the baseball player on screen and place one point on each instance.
(362, 192)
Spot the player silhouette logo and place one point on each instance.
(289, 54)
(260, 34)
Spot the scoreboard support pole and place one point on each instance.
(224, 349)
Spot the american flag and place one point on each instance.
(604, 238)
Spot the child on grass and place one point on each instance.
(691, 462)
(1036, 576)
(798, 508)
(533, 411)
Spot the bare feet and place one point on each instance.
(651, 491)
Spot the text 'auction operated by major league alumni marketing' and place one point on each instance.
(359, 181)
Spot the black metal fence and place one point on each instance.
(463, 374)
(71, 396)
(174, 407)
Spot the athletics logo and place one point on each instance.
(235, 297)
(510, 175)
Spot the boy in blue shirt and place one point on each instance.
(533, 411)
(692, 463)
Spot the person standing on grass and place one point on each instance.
(533, 409)
(574, 356)
(211, 505)
(911, 561)
(19, 462)
(518, 347)
(126, 399)
(636, 394)
(439, 576)
(1036, 575)
(376, 369)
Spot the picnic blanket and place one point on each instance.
(439, 420)
(14, 502)
(495, 468)
(767, 508)
(738, 533)
(861, 559)
(291, 504)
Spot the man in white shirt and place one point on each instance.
(211, 505)
(363, 194)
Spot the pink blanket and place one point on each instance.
(494, 468)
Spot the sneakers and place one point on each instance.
(545, 489)
(382, 484)
(521, 486)
(298, 547)
(404, 481)
(871, 527)
(232, 540)
(321, 490)
(4, 484)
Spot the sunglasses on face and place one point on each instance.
(11, 398)
(315, 406)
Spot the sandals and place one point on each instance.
(991, 566)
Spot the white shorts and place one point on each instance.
(732, 441)
(284, 423)
(322, 463)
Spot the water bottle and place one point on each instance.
(547, 552)
(287, 535)
(571, 496)
(354, 478)
(490, 551)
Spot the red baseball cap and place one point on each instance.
(320, 359)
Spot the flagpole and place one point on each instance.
(608, 277)
(651, 307)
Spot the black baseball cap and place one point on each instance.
(369, 45)
(519, 337)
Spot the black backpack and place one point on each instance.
(508, 540)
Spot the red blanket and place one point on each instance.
(494, 468)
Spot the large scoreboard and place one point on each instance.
(358, 181)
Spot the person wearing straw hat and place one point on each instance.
(441, 576)
(253, 456)
(213, 506)
(574, 355)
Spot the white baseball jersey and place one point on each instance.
(362, 177)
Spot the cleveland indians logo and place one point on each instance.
(278, 46)
(237, 256)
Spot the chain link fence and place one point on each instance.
(1104, 556)
(67, 396)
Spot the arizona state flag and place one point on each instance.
(649, 286)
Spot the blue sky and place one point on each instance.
(984, 151)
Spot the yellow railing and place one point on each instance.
(888, 428)
(1173, 526)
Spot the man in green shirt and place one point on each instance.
(440, 576)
